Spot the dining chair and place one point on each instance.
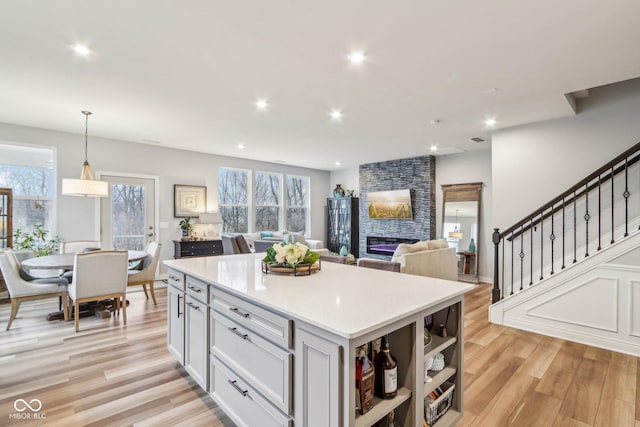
(22, 290)
(146, 276)
(99, 275)
(78, 246)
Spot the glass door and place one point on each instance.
(127, 216)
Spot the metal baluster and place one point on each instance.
(574, 229)
(552, 237)
(495, 293)
(599, 213)
(626, 195)
(511, 239)
(521, 254)
(612, 220)
(587, 217)
(563, 233)
(541, 244)
(531, 251)
(503, 245)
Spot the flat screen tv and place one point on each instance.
(394, 204)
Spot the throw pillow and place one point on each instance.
(264, 234)
(406, 248)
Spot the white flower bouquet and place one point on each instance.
(290, 255)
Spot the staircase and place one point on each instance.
(571, 269)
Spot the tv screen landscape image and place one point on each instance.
(394, 204)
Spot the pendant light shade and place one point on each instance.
(456, 234)
(87, 185)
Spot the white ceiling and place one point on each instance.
(186, 73)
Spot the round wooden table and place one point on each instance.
(65, 261)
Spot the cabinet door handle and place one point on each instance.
(192, 305)
(179, 296)
(237, 311)
(235, 385)
(193, 288)
(235, 331)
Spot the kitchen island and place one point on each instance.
(274, 349)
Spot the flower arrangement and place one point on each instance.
(36, 241)
(290, 255)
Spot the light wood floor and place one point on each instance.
(108, 374)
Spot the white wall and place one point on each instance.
(471, 166)
(534, 163)
(349, 179)
(76, 216)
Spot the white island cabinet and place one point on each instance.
(281, 350)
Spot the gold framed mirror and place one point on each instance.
(461, 225)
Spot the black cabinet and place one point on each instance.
(188, 248)
(342, 224)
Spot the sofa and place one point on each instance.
(431, 258)
(270, 237)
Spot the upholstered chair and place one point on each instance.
(379, 264)
(78, 246)
(22, 290)
(147, 275)
(229, 245)
(99, 275)
(243, 245)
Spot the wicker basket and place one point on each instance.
(434, 409)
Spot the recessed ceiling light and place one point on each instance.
(81, 50)
(336, 114)
(261, 104)
(490, 121)
(434, 122)
(241, 146)
(338, 163)
(433, 148)
(357, 57)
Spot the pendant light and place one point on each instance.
(456, 234)
(87, 185)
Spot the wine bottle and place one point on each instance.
(390, 421)
(386, 372)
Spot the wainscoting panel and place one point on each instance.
(595, 302)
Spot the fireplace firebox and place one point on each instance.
(385, 245)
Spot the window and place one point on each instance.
(29, 172)
(233, 198)
(268, 191)
(297, 204)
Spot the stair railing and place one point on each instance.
(523, 251)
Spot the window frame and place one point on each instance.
(280, 206)
(306, 206)
(52, 164)
(249, 204)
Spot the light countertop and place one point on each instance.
(346, 300)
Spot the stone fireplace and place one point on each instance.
(418, 174)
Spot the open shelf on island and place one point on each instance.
(438, 344)
(382, 407)
(439, 378)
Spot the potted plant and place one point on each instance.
(36, 241)
(186, 227)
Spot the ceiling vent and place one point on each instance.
(476, 139)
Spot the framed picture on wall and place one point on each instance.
(189, 200)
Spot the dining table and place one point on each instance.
(65, 262)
